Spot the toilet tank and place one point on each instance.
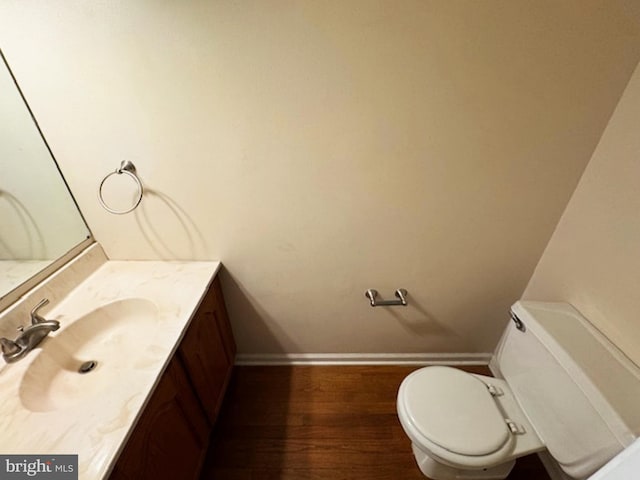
(581, 394)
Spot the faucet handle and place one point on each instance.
(35, 318)
(9, 347)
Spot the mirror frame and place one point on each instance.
(11, 296)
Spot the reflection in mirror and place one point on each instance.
(40, 221)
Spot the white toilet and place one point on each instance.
(563, 387)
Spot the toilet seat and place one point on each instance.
(452, 414)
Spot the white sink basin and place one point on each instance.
(117, 336)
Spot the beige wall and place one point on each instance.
(322, 148)
(593, 258)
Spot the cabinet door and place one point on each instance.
(222, 319)
(208, 351)
(170, 439)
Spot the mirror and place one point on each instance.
(41, 225)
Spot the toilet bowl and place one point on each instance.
(463, 426)
(468, 426)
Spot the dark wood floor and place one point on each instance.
(319, 423)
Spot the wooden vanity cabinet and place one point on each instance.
(171, 436)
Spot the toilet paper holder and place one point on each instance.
(401, 294)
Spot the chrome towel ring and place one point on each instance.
(128, 168)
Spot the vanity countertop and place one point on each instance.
(95, 412)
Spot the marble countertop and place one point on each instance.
(96, 425)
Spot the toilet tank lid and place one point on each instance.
(591, 358)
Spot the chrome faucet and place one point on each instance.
(30, 337)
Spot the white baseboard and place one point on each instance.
(362, 359)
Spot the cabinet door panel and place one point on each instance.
(171, 436)
(207, 356)
(222, 318)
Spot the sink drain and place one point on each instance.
(86, 367)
